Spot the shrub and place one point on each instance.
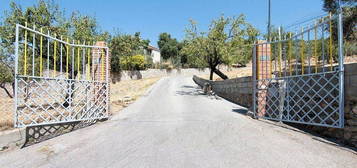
(136, 62)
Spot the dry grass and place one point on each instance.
(125, 92)
(232, 73)
(6, 109)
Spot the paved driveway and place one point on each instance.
(174, 125)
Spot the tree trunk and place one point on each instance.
(7, 91)
(220, 74)
(211, 74)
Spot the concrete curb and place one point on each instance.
(12, 138)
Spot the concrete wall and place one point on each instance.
(239, 90)
(151, 73)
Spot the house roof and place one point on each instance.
(153, 48)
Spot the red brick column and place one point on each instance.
(99, 71)
(98, 66)
(263, 71)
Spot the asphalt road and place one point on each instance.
(174, 125)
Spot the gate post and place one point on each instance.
(341, 69)
(15, 74)
(263, 73)
(101, 73)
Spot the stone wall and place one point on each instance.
(151, 73)
(239, 90)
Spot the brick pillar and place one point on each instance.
(98, 66)
(263, 71)
(99, 71)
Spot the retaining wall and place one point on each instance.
(151, 73)
(237, 90)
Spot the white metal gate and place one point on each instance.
(299, 77)
(58, 81)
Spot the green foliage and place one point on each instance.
(224, 43)
(170, 50)
(124, 47)
(169, 47)
(350, 48)
(48, 16)
(349, 20)
(6, 74)
(136, 62)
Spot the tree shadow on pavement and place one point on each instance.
(189, 90)
(240, 111)
(40, 133)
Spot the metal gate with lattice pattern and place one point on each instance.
(57, 81)
(299, 76)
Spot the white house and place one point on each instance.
(154, 53)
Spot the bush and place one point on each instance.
(136, 62)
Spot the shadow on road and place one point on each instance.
(240, 111)
(37, 134)
(190, 91)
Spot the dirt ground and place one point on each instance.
(125, 92)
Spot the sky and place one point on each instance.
(156, 16)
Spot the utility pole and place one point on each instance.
(269, 20)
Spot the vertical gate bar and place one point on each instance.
(280, 52)
(33, 50)
(93, 52)
(78, 61)
(72, 60)
(302, 51)
(275, 59)
(341, 69)
(54, 57)
(330, 44)
(83, 60)
(270, 60)
(16, 73)
(67, 58)
(285, 59)
(315, 48)
(254, 80)
(289, 53)
(107, 80)
(48, 54)
(41, 50)
(309, 51)
(296, 54)
(61, 57)
(323, 45)
(25, 52)
(257, 62)
(88, 63)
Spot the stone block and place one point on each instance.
(352, 122)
